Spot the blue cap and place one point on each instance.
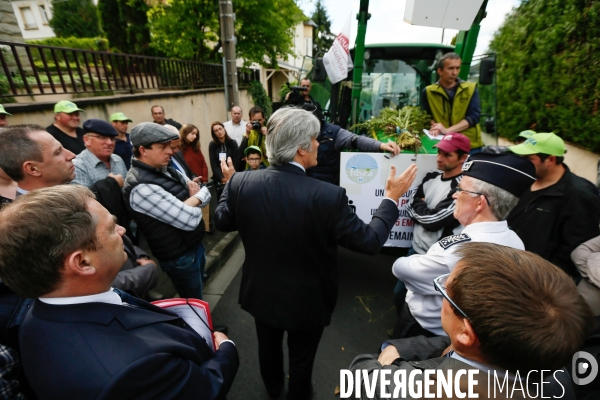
(507, 171)
(99, 127)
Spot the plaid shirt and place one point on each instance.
(156, 202)
(10, 364)
(89, 169)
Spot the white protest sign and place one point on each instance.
(363, 175)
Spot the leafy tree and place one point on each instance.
(260, 97)
(126, 25)
(112, 23)
(322, 36)
(548, 57)
(189, 29)
(78, 18)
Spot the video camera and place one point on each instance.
(296, 98)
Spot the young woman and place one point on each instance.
(190, 148)
(221, 146)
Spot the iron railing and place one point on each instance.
(39, 70)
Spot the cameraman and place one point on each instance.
(304, 97)
(255, 135)
(332, 140)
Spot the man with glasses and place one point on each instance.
(503, 310)
(97, 161)
(66, 126)
(489, 189)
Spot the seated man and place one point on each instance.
(503, 310)
(254, 157)
(489, 189)
(82, 339)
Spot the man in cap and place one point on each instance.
(123, 146)
(523, 136)
(3, 117)
(560, 210)
(97, 161)
(166, 206)
(489, 189)
(432, 207)
(66, 126)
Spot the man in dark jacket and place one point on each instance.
(560, 211)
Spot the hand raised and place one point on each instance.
(396, 186)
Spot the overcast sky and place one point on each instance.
(387, 22)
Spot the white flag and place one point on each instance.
(337, 60)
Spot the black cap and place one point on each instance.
(507, 171)
(99, 127)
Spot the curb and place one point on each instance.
(219, 255)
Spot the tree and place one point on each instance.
(547, 70)
(126, 25)
(322, 36)
(78, 18)
(189, 29)
(112, 23)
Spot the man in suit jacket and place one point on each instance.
(82, 339)
(290, 225)
(504, 310)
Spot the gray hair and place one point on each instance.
(16, 147)
(290, 129)
(447, 56)
(501, 201)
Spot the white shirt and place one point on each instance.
(419, 271)
(235, 131)
(110, 297)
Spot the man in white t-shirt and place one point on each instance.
(236, 127)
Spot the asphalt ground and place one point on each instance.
(360, 322)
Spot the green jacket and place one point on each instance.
(448, 113)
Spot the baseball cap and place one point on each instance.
(66, 106)
(99, 127)
(147, 133)
(507, 171)
(454, 141)
(253, 148)
(119, 116)
(544, 143)
(3, 111)
(527, 134)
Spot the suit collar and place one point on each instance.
(102, 313)
(288, 168)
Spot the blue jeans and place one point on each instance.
(187, 272)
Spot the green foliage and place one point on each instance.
(138, 29)
(77, 18)
(190, 30)
(259, 95)
(320, 94)
(323, 42)
(112, 21)
(549, 54)
(96, 43)
(285, 90)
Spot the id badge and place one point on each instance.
(222, 156)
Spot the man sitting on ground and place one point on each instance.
(503, 310)
(82, 339)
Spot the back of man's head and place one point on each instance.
(290, 129)
(38, 231)
(526, 312)
(16, 147)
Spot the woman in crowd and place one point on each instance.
(221, 147)
(190, 148)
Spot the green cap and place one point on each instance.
(253, 148)
(3, 111)
(119, 116)
(66, 106)
(541, 143)
(527, 134)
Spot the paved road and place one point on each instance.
(360, 322)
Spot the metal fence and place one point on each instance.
(38, 70)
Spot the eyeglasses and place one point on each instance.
(440, 285)
(100, 137)
(459, 189)
(253, 159)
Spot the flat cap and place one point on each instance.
(147, 133)
(507, 171)
(100, 127)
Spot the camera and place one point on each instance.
(296, 97)
(256, 126)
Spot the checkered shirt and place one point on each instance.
(89, 169)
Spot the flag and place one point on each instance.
(337, 60)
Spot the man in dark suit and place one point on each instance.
(82, 339)
(290, 225)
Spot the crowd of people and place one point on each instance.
(502, 274)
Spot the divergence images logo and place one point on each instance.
(584, 368)
(361, 168)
